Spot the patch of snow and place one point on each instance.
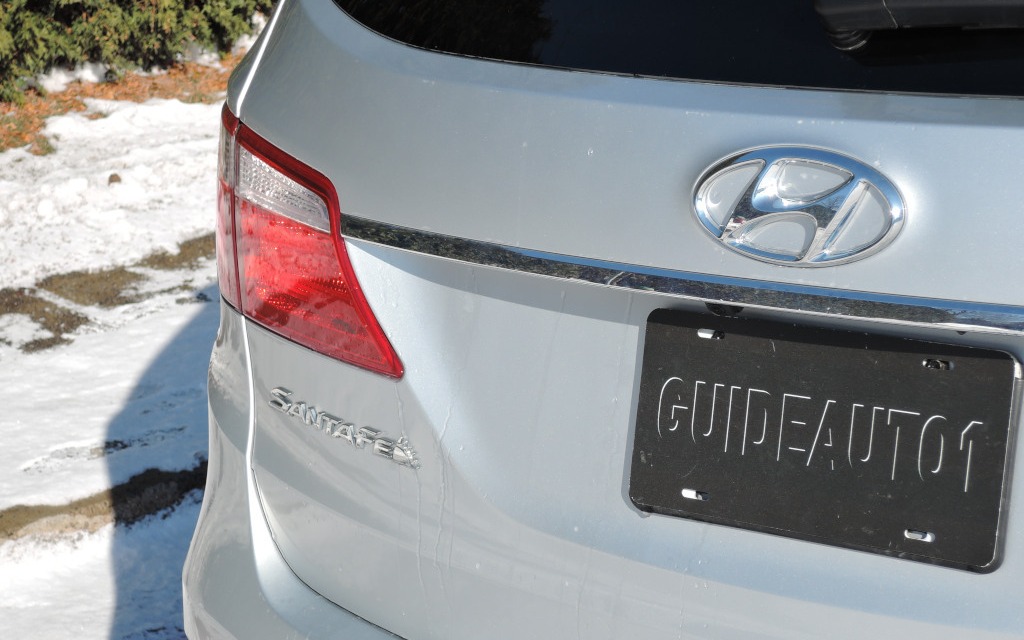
(205, 57)
(64, 212)
(244, 43)
(58, 78)
(17, 329)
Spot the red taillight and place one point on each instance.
(293, 272)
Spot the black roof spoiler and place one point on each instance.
(850, 22)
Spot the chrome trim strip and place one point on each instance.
(926, 312)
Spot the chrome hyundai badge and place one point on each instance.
(799, 206)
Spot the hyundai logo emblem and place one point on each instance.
(798, 206)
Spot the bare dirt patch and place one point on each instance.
(190, 253)
(54, 318)
(145, 494)
(107, 288)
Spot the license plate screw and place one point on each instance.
(938, 365)
(710, 334)
(693, 494)
(919, 536)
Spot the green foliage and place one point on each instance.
(36, 35)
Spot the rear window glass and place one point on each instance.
(761, 42)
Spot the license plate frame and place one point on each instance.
(891, 445)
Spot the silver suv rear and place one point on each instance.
(616, 320)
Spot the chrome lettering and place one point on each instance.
(280, 400)
(365, 436)
(398, 451)
(345, 431)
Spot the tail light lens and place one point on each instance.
(282, 260)
(227, 271)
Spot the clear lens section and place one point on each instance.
(227, 272)
(226, 155)
(262, 185)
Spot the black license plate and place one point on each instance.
(883, 444)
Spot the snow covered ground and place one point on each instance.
(64, 211)
(125, 391)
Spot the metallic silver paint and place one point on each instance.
(235, 583)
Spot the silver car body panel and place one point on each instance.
(521, 384)
(236, 584)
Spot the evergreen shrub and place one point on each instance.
(36, 35)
